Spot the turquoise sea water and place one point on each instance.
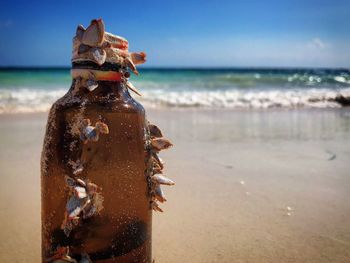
(31, 90)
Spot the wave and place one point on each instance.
(28, 100)
(254, 99)
(39, 100)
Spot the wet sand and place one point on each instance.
(251, 186)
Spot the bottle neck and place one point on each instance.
(97, 74)
(111, 90)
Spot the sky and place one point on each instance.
(229, 33)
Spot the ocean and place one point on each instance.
(35, 89)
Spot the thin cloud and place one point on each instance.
(317, 43)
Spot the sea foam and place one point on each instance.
(35, 90)
(253, 99)
(39, 100)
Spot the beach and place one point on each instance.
(251, 185)
(244, 154)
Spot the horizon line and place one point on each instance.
(187, 67)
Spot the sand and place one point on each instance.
(251, 186)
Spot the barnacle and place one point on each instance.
(95, 45)
(155, 142)
(84, 200)
(91, 133)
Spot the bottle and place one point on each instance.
(100, 172)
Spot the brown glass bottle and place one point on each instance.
(121, 231)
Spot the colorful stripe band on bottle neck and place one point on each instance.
(96, 74)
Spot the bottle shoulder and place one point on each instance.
(110, 102)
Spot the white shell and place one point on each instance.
(81, 182)
(131, 65)
(91, 84)
(93, 35)
(132, 87)
(159, 194)
(75, 212)
(99, 55)
(80, 32)
(80, 191)
(160, 179)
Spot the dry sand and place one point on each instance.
(236, 173)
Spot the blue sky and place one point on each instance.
(292, 33)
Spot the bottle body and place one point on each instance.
(118, 228)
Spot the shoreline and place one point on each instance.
(205, 109)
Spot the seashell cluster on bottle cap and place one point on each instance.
(99, 55)
(95, 45)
